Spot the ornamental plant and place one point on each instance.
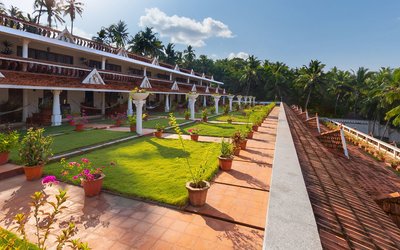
(145, 116)
(35, 148)
(83, 170)
(194, 131)
(226, 109)
(237, 138)
(187, 114)
(45, 220)
(159, 127)
(204, 114)
(197, 172)
(118, 116)
(78, 119)
(212, 110)
(132, 120)
(226, 149)
(8, 140)
(138, 90)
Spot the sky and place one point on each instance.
(343, 33)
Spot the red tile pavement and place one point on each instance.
(347, 216)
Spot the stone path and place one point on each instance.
(234, 217)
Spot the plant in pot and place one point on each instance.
(145, 117)
(197, 186)
(230, 119)
(118, 118)
(35, 152)
(194, 134)
(212, 110)
(226, 157)
(249, 132)
(8, 140)
(187, 114)
(243, 143)
(204, 115)
(132, 123)
(237, 139)
(84, 172)
(159, 130)
(78, 120)
(226, 109)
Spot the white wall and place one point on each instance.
(33, 100)
(74, 99)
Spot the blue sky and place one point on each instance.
(345, 33)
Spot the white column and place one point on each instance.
(216, 100)
(230, 97)
(103, 63)
(254, 101)
(25, 48)
(129, 111)
(245, 100)
(170, 76)
(239, 98)
(192, 101)
(24, 104)
(205, 101)
(223, 100)
(103, 103)
(56, 117)
(139, 112)
(145, 71)
(167, 103)
(188, 80)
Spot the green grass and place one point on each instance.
(213, 129)
(148, 167)
(176, 114)
(236, 117)
(74, 140)
(162, 121)
(9, 240)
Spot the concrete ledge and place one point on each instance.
(290, 218)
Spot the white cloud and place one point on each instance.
(242, 55)
(183, 30)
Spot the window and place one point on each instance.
(47, 56)
(113, 67)
(94, 64)
(163, 76)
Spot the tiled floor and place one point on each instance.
(113, 222)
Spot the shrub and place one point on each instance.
(204, 114)
(8, 140)
(226, 109)
(226, 149)
(237, 138)
(212, 110)
(159, 127)
(132, 120)
(35, 148)
(187, 114)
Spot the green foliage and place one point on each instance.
(226, 149)
(132, 120)
(226, 109)
(204, 114)
(187, 114)
(237, 138)
(159, 127)
(10, 241)
(8, 140)
(212, 110)
(35, 148)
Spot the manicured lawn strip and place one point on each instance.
(176, 114)
(74, 140)
(236, 117)
(7, 237)
(162, 121)
(149, 168)
(212, 129)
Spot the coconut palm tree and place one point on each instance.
(71, 8)
(310, 77)
(102, 36)
(340, 85)
(2, 8)
(146, 43)
(359, 83)
(189, 56)
(251, 74)
(38, 8)
(118, 33)
(15, 12)
(52, 8)
(169, 55)
(392, 96)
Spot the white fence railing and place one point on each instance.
(378, 144)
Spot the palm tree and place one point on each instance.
(102, 36)
(15, 12)
(359, 83)
(340, 85)
(118, 33)
(189, 56)
(251, 74)
(392, 97)
(146, 43)
(169, 55)
(53, 10)
(310, 77)
(2, 8)
(71, 8)
(38, 8)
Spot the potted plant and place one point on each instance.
(187, 114)
(145, 117)
(194, 134)
(78, 120)
(237, 139)
(249, 132)
(226, 109)
(118, 118)
(159, 130)
(226, 157)
(132, 123)
(197, 187)
(139, 94)
(204, 114)
(230, 119)
(35, 152)
(212, 110)
(89, 176)
(243, 142)
(8, 140)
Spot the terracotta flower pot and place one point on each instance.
(92, 188)
(250, 135)
(79, 127)
(255, 128)
(118, 123)
(132, 128)
(33, 172)
(194, 137)
(225, 163)
(205, 119)
(158, 134)
(186, 117)
(72, 123)
(4, 157)
(236, 151)
(243, 144)
(198, 196)
(229, 121)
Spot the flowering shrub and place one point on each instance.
(49, 180)
(78, 119)
(118, 116)
(194, 131)
(83, 170)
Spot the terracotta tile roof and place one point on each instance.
(347, 216)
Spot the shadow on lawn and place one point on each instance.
(169, 152)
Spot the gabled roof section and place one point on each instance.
(145, 83)
(176, 67)
(192, 72)
(194, 88)
(207, 90)
(175, 86)
(212, 78)
(122, 52)
(155, 61)
(1, 75)
(93, 78)
(224, 92)
(65, 36)
(203, 75)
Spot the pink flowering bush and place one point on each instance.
(83, 170)
(194, 131)
(77, 119)
(49, 180)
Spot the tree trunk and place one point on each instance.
(308, 99)
(384, 131)
(336, 103)
(40, 14)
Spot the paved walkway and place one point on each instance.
(234, 217)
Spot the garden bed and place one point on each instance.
(148, 168)
(213, 129)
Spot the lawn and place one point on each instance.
(149, 168)
(73, 140)
(162, 121)
(213, 129)
(236, 117)
(9, 240)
